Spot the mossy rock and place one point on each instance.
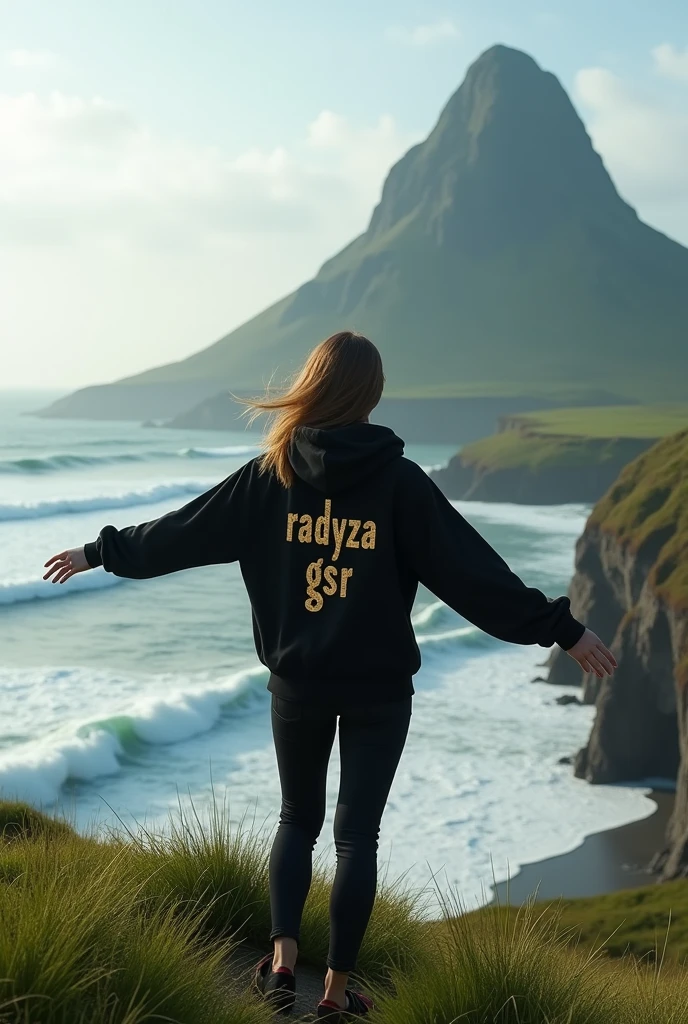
(647, 510)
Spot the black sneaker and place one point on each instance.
(278, 988)
(357, 1005)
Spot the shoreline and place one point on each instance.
(606, 861)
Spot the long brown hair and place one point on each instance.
(341, 382)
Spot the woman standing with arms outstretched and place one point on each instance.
(334, 529)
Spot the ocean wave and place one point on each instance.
(553, 520)
(37, 771)
(96, 502)
(219, 453)
(429, 614)
(19, 591)
(82, 460)
(457, 634)
(462, 636)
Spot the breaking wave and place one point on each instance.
(46, 507)
(82, 460)
(37, 770)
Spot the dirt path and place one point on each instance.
(309, 982)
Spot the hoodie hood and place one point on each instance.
(334, 458)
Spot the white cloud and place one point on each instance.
(643, 142)
(424, 35)
(33, 60)
(670, 62)
(121, 248)
(71, 167)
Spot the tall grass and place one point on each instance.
(207, 863)
(524, 968)
(79, 942)
(140, 927)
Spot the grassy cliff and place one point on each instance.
(131, 928)
(558, 455)
(648, 508)
(575, 436)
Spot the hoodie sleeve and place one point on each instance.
(207, 530)
(456, 563)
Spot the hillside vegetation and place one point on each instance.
(622, 421)
(648, 508)
(575, 437)
(557, 456)
(140, 927)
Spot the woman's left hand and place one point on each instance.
(67, 563)
(592, 655)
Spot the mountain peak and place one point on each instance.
(508, 147)
(505, 55)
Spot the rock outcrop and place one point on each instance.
(631, 587)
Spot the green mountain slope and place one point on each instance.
(499, 261)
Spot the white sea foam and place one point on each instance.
(18, 591)
(229, 451)
(428, 614)
(130, 498)
(558, 519)
(36, 770)
(461, 633)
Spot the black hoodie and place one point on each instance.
(332, 564)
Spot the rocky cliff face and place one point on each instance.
(631, 587)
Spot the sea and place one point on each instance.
(121, 700)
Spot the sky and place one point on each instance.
(169, 168)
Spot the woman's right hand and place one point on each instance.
(67, 563)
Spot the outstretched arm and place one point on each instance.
(207, 530)
(457, 564)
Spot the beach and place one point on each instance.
(607, 861)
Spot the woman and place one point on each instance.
(334, 529)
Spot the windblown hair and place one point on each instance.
(341, 382)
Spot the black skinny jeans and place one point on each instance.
(371, 739)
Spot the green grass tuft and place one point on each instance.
(524, 967)
(21, 821)
(79, 944)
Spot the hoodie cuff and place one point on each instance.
(92, 555)
(569, 632)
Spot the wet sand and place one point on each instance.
(605, 862)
